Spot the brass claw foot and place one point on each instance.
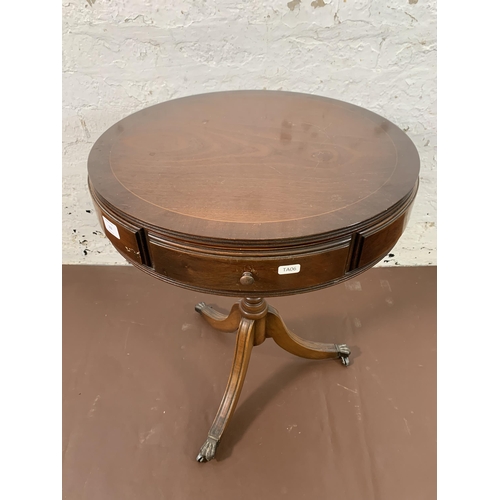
(198, 307)
(343, 352)
(207, 451)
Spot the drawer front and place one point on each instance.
(270, 274)
(376, 243)
(122, 235)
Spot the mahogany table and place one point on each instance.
(253, 194)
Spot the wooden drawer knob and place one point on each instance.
(246, 278)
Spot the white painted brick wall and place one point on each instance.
(120, 56)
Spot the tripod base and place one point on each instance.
(254, 320)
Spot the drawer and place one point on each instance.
(377, 242)
(270, 274)
(123, 236)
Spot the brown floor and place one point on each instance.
(143, 376)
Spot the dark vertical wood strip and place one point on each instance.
(354, 252)
(144, 247)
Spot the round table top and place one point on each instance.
(253, 166)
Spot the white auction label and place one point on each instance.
(111, 227)
(291, 269)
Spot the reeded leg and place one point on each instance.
(218, 320)
(244, 344)
(275, 328)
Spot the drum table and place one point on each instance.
(253, 194)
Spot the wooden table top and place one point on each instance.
(253, 193)
(253, 167)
